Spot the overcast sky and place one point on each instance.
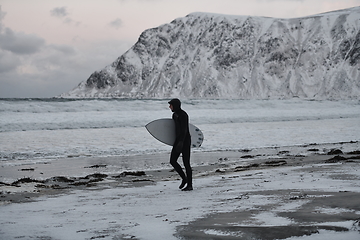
(48, 47)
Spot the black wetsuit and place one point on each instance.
(182, 143)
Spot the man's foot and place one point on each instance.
(183, 183)
(188, 188)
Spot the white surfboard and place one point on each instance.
(164, 131)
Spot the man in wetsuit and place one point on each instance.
(182, 144)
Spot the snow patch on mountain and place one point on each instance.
(205, 55)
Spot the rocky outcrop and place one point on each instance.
(207, 55)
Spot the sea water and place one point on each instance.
(33, 129)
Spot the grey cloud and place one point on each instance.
(8, 61)
(20, 43)
(31, 68)
(2, 14)
(55, 69)
(67, 50)
(62, 13)
(72, 22)
(117, 23)
(59, 12)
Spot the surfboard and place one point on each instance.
(164, 131)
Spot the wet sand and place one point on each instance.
(252, 194)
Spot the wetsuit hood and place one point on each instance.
(176, 104)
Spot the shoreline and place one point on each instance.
(273, 193)
(28, 181)
(71, 165)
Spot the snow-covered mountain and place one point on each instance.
(205, 55)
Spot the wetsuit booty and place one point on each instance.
(183, 183)
(188, 188)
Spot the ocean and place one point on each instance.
(38, 129)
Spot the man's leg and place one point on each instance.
(173, 161)
(186, 161)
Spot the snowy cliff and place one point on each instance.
(206, 55)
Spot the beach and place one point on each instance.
(267, 169)
(295, 192)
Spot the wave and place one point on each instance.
(55, 128)
(57, 114)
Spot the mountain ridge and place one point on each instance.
(206, 55)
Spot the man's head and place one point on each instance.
(175, 104)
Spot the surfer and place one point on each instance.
(182, 144)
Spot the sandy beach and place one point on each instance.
(302, 192)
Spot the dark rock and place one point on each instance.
(136, 173)
(247, 156)
(276, 163)
(335, 152)
(336, 159)
(284, 152)
(60, 179)
(354, 152)
(27, 169)
(97, 166)
(243, 168)
(245, 150)
(313, 150)
(26, 180)
(6, 184)
(96, 175)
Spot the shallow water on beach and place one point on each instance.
(33, 129)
